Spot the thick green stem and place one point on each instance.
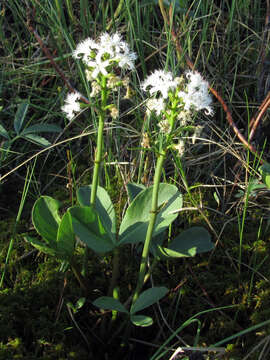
(151, 225)
(99, 151)
(98, 158)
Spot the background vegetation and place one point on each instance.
(224, 296)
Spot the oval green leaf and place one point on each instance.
(135, 223)
(103, 206)
(141, 320)
(110, 303)
(190, 242)
(148, 298)
(65, 237)
(134, 189)
(88, 227)
(46, 219)
(163, 252)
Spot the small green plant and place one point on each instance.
(75, 308)
(170, 112)
(22, 131)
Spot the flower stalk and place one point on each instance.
(99, 150)
(98, 158)
(103, 58)
(171, 98)
(151, 225)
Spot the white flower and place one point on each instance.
(72, 106)
(98, 66)
(118, 50)
(160, 81)
(196, 95)
(155, 105)
(126, 60)
(110, 44)
(84, 49)
(108, 50)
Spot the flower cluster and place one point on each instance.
(196, 95)
(186, 97)
(102, 55)
(176, 99)
(160, 81)
(171, 98)
(176, 96)
(101, 59)
(159, 84)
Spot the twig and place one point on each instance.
(255, 120)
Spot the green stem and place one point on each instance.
(151, 225)
(98, 158)
(99, 151)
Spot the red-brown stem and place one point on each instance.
(231, 122)
(255, 120)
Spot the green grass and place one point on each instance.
(215, 304)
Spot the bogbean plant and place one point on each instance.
(171, 106)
